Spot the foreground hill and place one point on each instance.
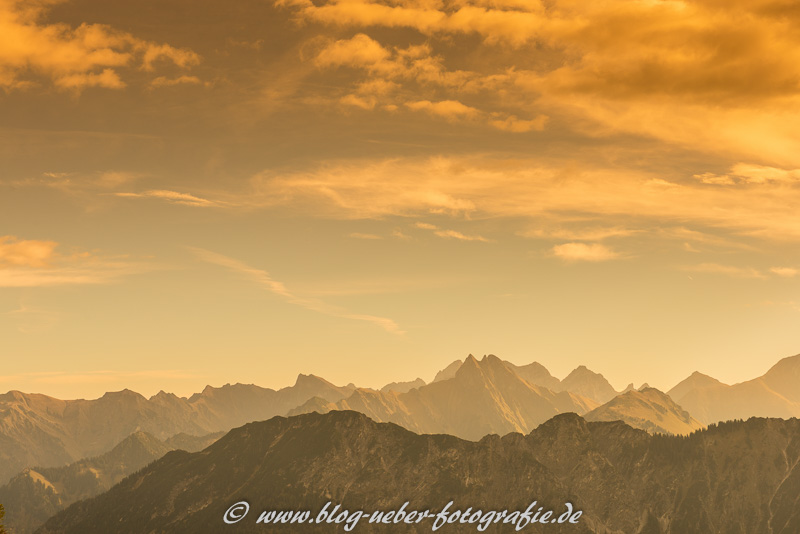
(775, 394)
(483, 397)
(40, 430)
(34, 495)
(739, 477)
(647, 409)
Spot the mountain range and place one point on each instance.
(36, 494)
(736, 477)
(37, 430)
(469, 398)
(486, 396)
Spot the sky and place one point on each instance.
(207, 192)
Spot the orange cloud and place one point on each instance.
(594, 252)
(719, 77)
(72, 58)
(34, 263)
(27, 253)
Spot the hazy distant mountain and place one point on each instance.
(580, 381)
(40, 430)
(588, 384)
(648, 409)
(776, 394)
(483, 397)
(448, 372)
(537, 374)
(34, 495)
(737, 477)
(403, 387)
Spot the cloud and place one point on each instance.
(786, 272)
(580, 234)
(25, 253)
(35, 263)
(163, 81)
(449, 234)
(361, 50)
(714, 77)
(593, 252)
(761, 174)
(174, 197)
(263, 279)
(727, 270)
(449, 109)
(72, 58)
(516, 125)
(486, 186)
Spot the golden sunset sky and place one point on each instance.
(202, 192)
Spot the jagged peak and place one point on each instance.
(310, 380)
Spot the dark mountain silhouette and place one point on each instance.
(741, 477)
(35, 494)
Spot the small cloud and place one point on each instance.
(357, 235)
(516, 125)
(727, 270)
(449, 109)
(786, 272)
(25, 253)
(594, 252)
(714, 179)
(400, 235)
(163, 81)
(761, 174)
(363, 102)
(458, 235)
(174, 197)
(449, 234)
(582, 234)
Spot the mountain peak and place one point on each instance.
(586, 382)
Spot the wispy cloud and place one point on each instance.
(450, 234)
(727, 270)
(786, 272)
(263, 279)
(174, 197)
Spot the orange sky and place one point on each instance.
(198, 193)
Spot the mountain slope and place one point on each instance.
(647, 409)
(34, 495)
(737, 477)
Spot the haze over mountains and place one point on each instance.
(36, 430)
(482, 397)
(36, 494)
(739, 477)
(469, 399)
